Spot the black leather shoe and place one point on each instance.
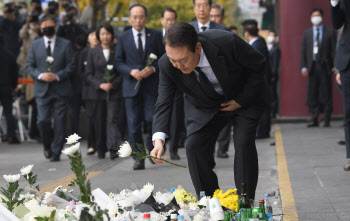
(221, 154)
(139, 165)
(55, 158)
(91, 151)
(174, 156)
(13, 140)
(113, 155)
(101, 155)
(313, 124)
(341, 142)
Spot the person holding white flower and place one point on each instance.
(50, 63)
(140, 81)
(106, 86)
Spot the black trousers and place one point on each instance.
(274, 98)
(320, 81)
(6, 102)
(200, 147)
(75, 104)
(177, 125)
(345, 86)
(89, 104)
(224, 138)
(107, 125)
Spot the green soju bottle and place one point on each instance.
(262, 215)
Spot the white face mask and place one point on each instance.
(316, 20)
(270, 39)
(23, 11)
(35, 27)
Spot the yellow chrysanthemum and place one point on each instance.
(229, 199)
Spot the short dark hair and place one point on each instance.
(46, 18)
(54, 4)
(106, 26)
(252, 30)
(222, 10)
(169, 10)
(232, 28)
(209, 1)
(81, 40)
(138, 5)
(320, 10)
(181, 34)
(36, 1)
(251, 22)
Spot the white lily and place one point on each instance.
(125, 150)
(70, 151)
(153, 56)
(50, 59)
(26, 170)
(12, 178)
(73, 138)
(109, 67)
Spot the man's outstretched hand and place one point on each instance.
(158, 151)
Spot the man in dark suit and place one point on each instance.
(340, 12)
(251, 35)
(222, 78)
(202, 10)
(133, 49)
(8, 83)
(275, 55)
(51, 84)
(177, 125)
(317, 55)
(217, 14)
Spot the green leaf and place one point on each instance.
(72, 184)
(52, 215)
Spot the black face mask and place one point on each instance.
(49, 31)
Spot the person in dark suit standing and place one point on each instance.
(317, 55)
(8, 83)
(222, 78)
(275, 56)
(251, 35)
(340, 13)
(202, 10)
(51, 84)
(108, 103)
(217, 14)
(177, 125)
(133, 49)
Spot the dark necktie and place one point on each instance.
(206, 85)
(140, 49)
(204, 28)
(48, 48)
(318, 43)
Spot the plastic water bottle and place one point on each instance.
(268, 206)
(180, 218)
(201, 194)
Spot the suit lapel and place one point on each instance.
(217, 63)
(131, 43)
(101, 56)
(148, 38)
(57, 48)
(212, 25)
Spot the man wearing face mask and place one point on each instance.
(317, 55)
(51, 87)
(275, 55)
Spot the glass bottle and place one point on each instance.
(173, 217)
(262, 215)
(146, 217)
(180, 218)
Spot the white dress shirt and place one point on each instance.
(200, 25)
(136, 37)
(205, 67)
(106, 53)
(334, 3)
(163, 31)
(253, 40)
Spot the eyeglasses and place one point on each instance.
(203, 5)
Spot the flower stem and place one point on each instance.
(152, 157)
(137, 84)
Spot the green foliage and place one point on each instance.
(12, 194)
(32, 180)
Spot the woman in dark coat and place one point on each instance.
(107, 94)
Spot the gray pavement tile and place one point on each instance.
(324, 216)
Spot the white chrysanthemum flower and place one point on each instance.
(112, 209)
(73, 138)
(26, 170)
(31, 204)
(70, 151)
(198, 217)
(110, 67)
(153, 56)
(193, 206)
(125, 149)
(204, 201)
(50, 59)
(148, 188)
(12, 178)
(85, 62)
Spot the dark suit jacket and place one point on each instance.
(275, 56)
(341, 16)
(127, 58)
(95, 74)
(239, 69)
(212, 25)
(327, 49)
(63, 66)
(9, 69)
